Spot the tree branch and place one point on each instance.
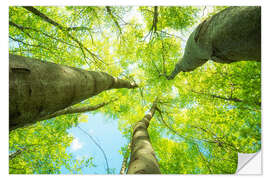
(108, 9)
(101, 149)
(124, 163)
(15, 39)
(22, 28)
(154, 24)
(155, 19)
(219, 97)
(73, 110)
(64, 29)
(16, 153)
(203, 158)
(173, 35)
(78, 28)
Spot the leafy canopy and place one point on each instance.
(206, 116)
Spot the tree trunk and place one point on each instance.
(16, 153)
(125, 160)
(73, 110)
(143, 159)
(38, 88)
(231, 35)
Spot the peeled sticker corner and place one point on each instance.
(249, 164)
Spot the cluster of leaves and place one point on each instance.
(218, 110)
(176, 18)
(193, 158)
(41, 148)
(207, 115)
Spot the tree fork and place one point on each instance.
(38, 89)
(143, 159)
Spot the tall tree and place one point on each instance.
(126, 155)
(209, 114)
(231, 35)
(39, 88)
(73, 109)
(143, 159)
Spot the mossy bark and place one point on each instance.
(38, 89)
(231, 35)
(143, 159)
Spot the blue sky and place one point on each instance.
(105, 131)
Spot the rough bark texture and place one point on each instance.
(38, 88)
(231, 35)
(143, 159)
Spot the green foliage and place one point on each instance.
(176, 18)
(43, 148)
(208, 115)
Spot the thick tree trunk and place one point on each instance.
(231, 35)
(143, 159)
(38, 88)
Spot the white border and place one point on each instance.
(136, 2)
(4, 77)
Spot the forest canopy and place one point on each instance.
(203, 118)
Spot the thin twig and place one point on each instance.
(15, 39)
(63, 29)
(101, 149)
(108, 9)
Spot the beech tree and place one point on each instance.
(231, 35)
(205, 117)
(142, 158)
(41, 88)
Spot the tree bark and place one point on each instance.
(125, 160)
(38, 89)
(143, 159)
(73, 110)
(16, 153)
(231, 35)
